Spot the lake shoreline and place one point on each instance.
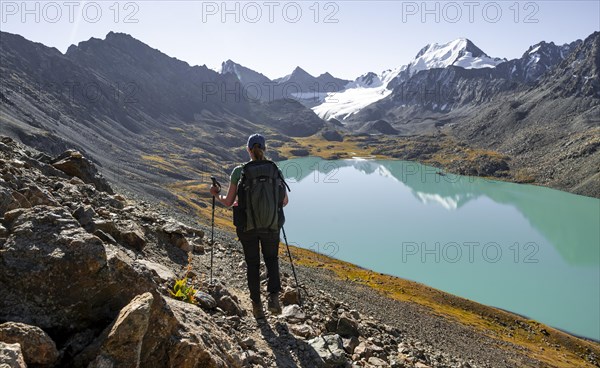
(419, 310)
(503, 326)
(442, 151)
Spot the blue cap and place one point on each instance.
(256, 139)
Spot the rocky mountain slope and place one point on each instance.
(536, 61)
(85, 277)
(447, 83)
(551, 129)
(548, 128)
(298, 85)
(128, 106)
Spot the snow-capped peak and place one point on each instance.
(371, 87)
(460, 52)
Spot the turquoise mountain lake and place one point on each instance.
(531, 250)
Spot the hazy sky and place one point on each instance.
(346, 38)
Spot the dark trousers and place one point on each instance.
(269, 244)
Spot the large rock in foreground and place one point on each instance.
(78, 280)
(153, 331)
(122, 340)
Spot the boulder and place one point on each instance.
(160, 273)
(85, 215)
(330, 350)
(133, 237)
(79, 281)
(347, 326)
(177, 227)
(177, 234)
(230, 306)
(300, 152)
(302, 330)
(293, 313)
(205, 300)
(38, 196)
(11, 356)
(12, 215)
(289, 297)
(127, 232)
(105, 237)
(382, 126)
(198, 248)
(74, 164)
(122, 340)
(117, 201)
(107, 226)
(377, 362)
(350, 344)
(37, 347)
(173, 342)
(19, 201)
(180, 242)
(367, 350)
(153, 331)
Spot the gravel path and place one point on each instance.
(434, 333)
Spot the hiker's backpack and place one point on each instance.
(260, 192)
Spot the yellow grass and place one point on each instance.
(320, 147)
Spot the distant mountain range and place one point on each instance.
(299, 84)
(332, 97)
(128, 106)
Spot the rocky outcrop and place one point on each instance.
(73, 163)
(178, 235)
(82, 251)
(122, 340)
(47, 247)
(332, 135)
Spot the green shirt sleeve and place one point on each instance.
(236, 174)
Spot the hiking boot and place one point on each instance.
(257, 310)
(273, 304)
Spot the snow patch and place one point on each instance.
(535, 49)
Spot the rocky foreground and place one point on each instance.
(85, 276)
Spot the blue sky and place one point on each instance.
(346, 38)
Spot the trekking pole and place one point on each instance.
(212, 228)
(293, 269)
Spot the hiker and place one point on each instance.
(257, 192)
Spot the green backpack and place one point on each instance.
(260, 192)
